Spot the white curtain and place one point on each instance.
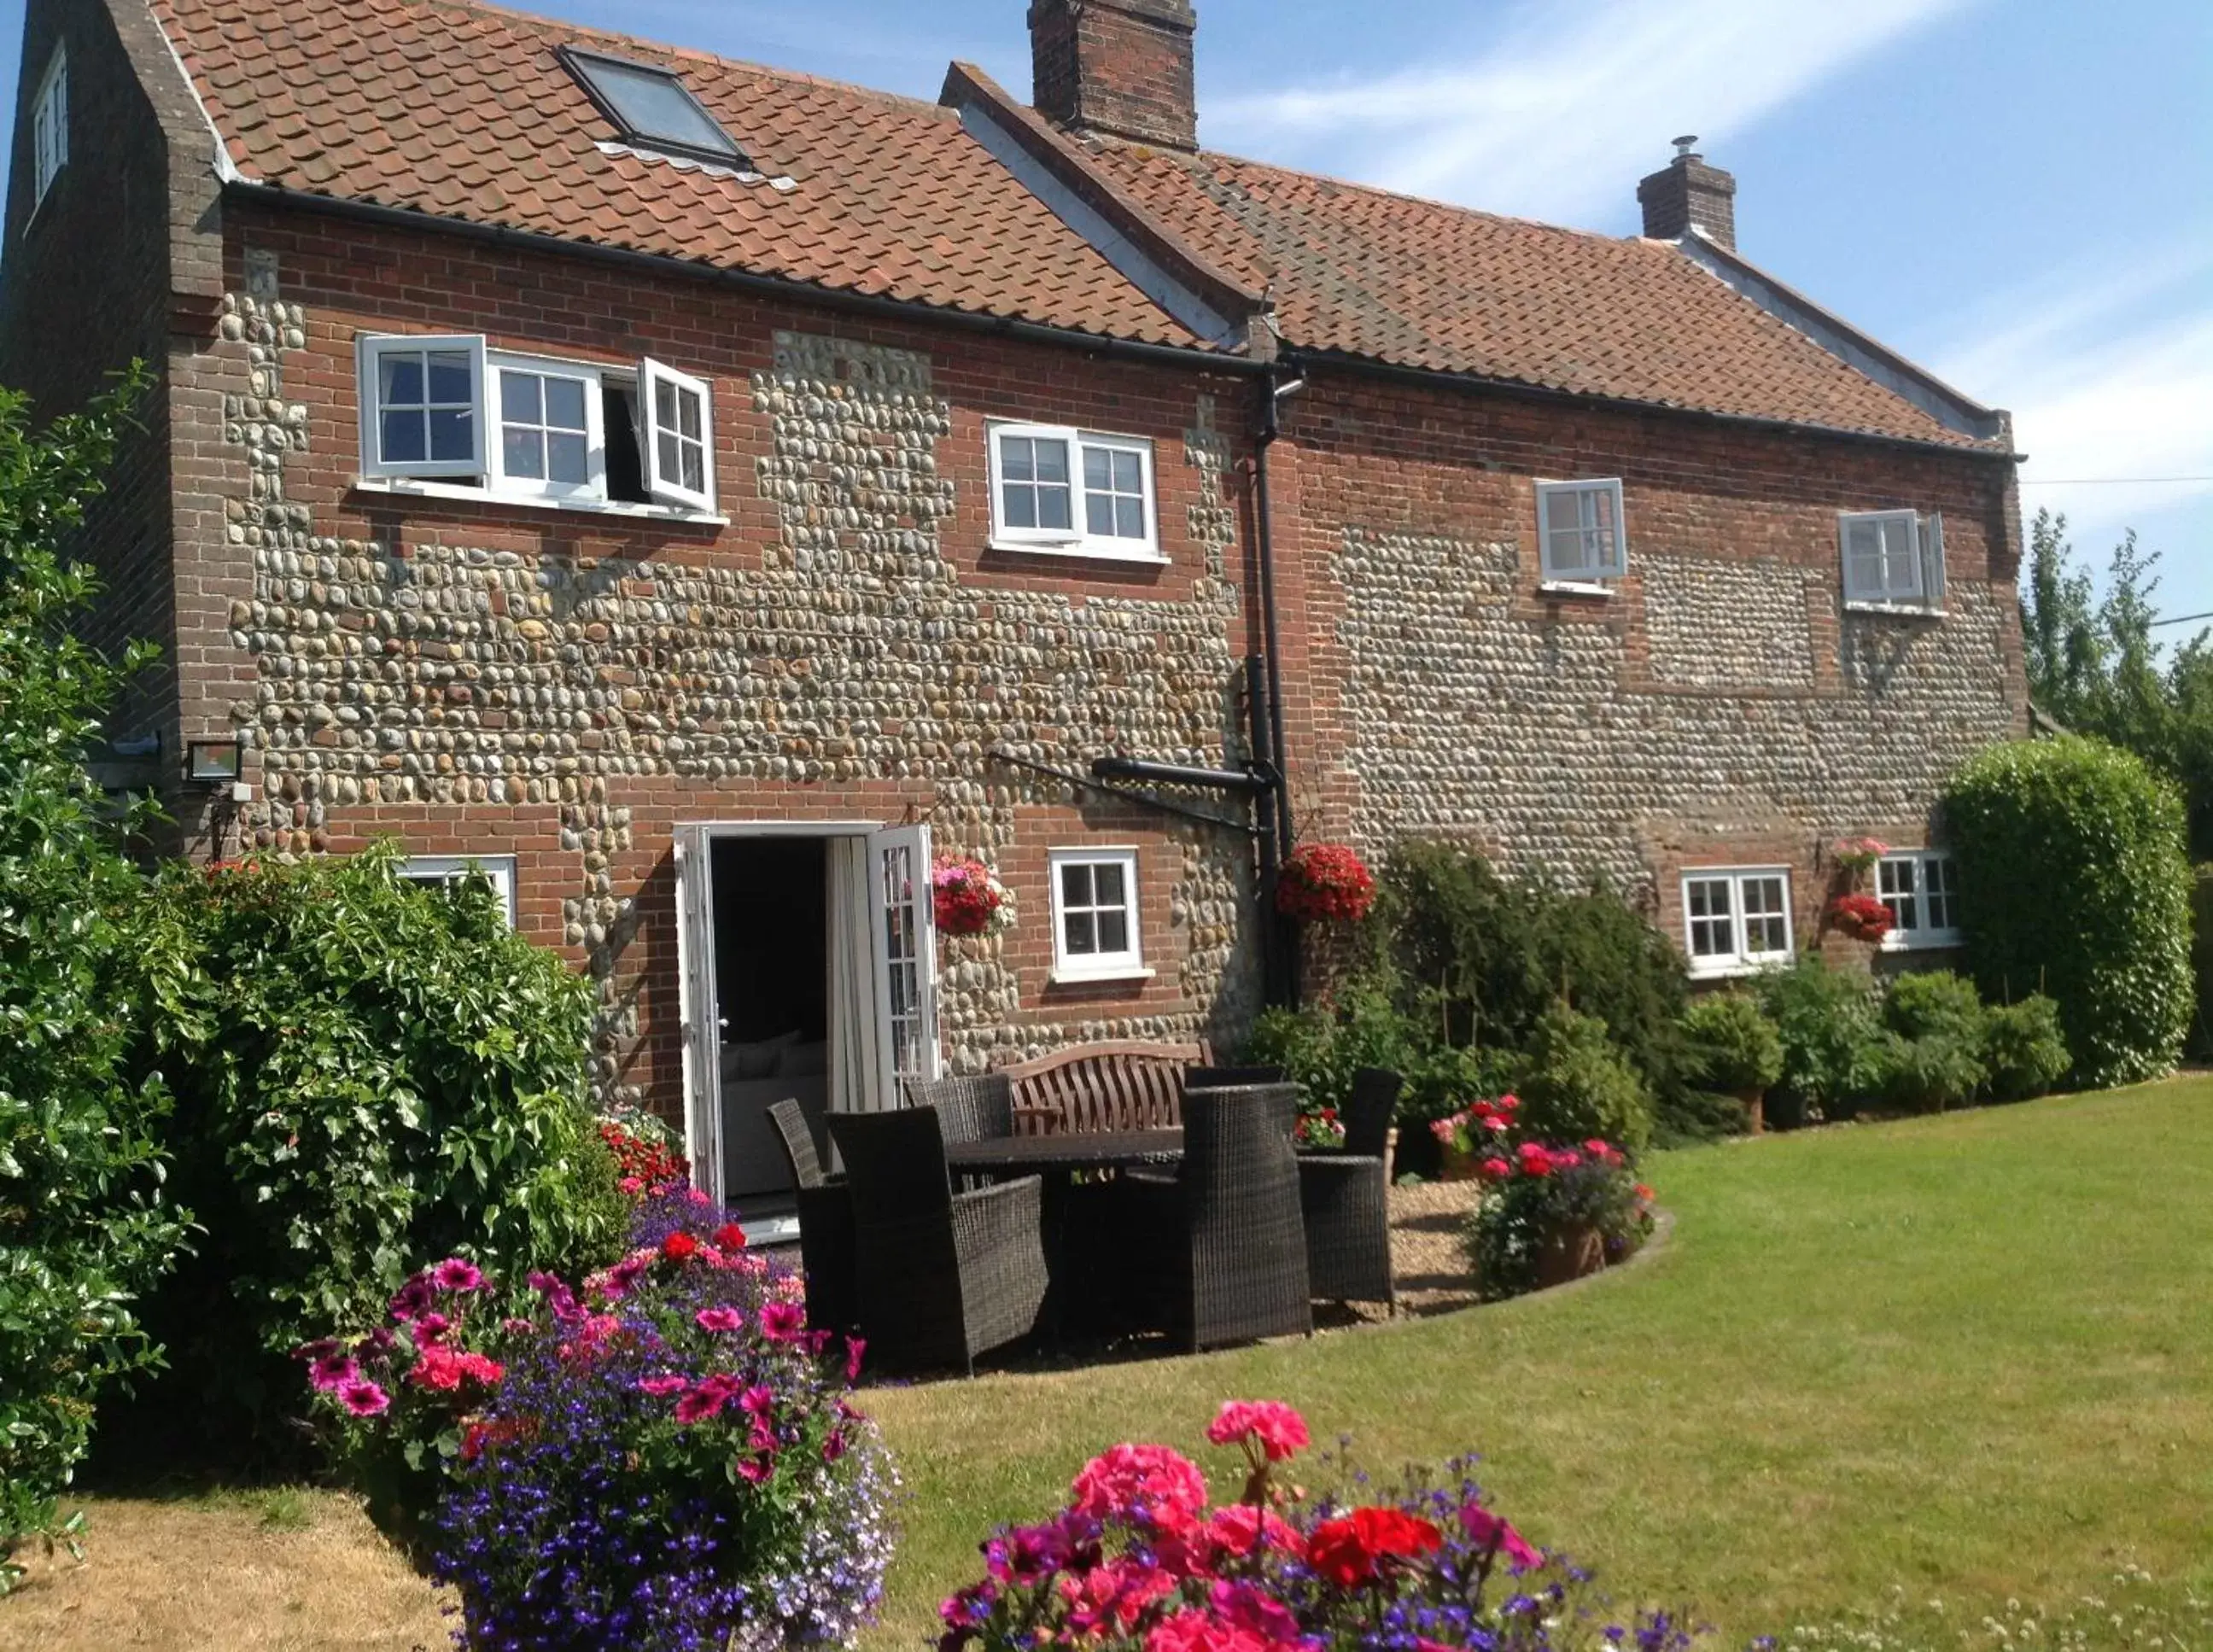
(856, 1083)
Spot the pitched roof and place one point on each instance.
(462, 110)
(1421, 284)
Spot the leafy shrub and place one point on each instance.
(2023, 1048)
(2201, 959)
(86, 1227)
(1730, 1043)
(369, 1074)
(1138, 1558)
(1574, 1083)
(1539, 1196)
(1484, 959)
(1934, 1003)
(662, 1459)
(1930, 1057)
(1830, 1027)
(2074, 882)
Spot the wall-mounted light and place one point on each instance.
(211, 762)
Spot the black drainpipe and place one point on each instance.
(1280, 935)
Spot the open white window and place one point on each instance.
(1077, 492)
(50, 127)
(551, 416)
(676, 434)
(1893, 559)
(436, 871)
(1735, 919)
(1095, 915)
(423, 404)
(1579, 532)
(1922, 891)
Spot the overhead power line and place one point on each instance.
(2103, 481)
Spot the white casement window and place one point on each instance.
(1736, 919)
(1922, 890)
(443, 408)
(677, 433)
(1579, 532)
(1073, 491)
(50, 127)
(1095, 914)
(1893, 559)
(436, 871)
(421, 405)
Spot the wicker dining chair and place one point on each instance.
(826, 1223)
(1344, 1198)
(943, 1276)
(1218, 1254)
(979, 1108)
(1219, 1078)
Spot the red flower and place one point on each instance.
(1536, 1159)
(1357, 1549)
(1862, 916)
(729, 1237)
(677, 1246)
(1494, 1170)
(1325, 883)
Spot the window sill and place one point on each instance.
(1905, 610)
(405, 488)
(1573, 588)
(1738, 970)
(1081, 551)
(1097, 978)
(1935, 941)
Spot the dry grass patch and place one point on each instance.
(286, 1571)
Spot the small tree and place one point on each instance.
(84, 1229)
(2074, 882)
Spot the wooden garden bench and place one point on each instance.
(1095, 1087)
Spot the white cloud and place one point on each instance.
(2109, 375)
(1550, 117)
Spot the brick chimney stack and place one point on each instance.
(1686, 192)
(1121, 67)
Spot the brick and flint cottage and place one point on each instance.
(695, 492)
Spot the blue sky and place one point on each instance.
(2016, 193)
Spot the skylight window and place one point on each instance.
(652, 107)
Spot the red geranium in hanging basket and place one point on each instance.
(1325, 883)
(1862, 917)
(966, 897)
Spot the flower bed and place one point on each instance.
(664, 1457)
(1549, 1214)
(1476, 1132)
(1139, 1557)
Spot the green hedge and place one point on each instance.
(2074, 881)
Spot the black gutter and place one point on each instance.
(1137, 771)
(1141, 799)
(253, 192)
(1280, 965)
(1478, 383)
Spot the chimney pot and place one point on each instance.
(1686, 192)
(1119, 67)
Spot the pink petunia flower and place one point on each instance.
(719, 1320)
(855, 1346)
(457, 1273)
(754, 1468)
(783, 1321)
(1488, 1531)
(662, 1387)
(363, 1397)
(706, 1400)
(1274, 1427)
(332, 1371)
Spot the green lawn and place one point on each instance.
(1968, 1357)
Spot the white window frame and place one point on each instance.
(371, 349)
(1920, 934)
(1127, 965)
(1582, 576)
(1738, 960)
(452, 868)
(50, 126)
(651, 375)
(1076, 540)
(594, 487)
(1925, 536)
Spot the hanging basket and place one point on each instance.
(967, 898)
(1325, 883)
(1861, 916)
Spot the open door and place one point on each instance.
(702, 1039)
(903, 937)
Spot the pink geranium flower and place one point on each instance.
(1152, 1483)
(719, 1320)
(1268, 1425)
(363, 1397)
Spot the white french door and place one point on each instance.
(904, 940)
(701, 1029)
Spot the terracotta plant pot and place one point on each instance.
(1454, 1165)
(1570, 1253)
